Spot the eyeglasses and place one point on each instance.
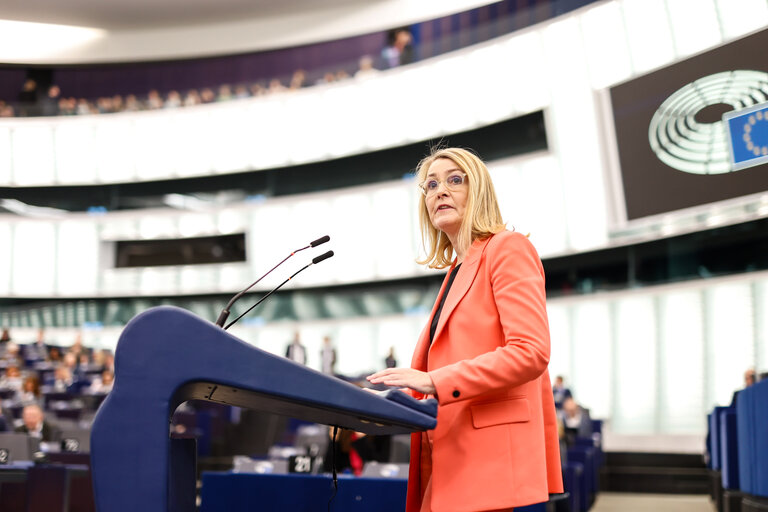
(452, 182)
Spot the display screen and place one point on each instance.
(672, 142)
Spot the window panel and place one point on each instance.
(682, 362)
(695, 26)
(648, 33)
(6, 157)
(34, 258)
(75, 152)
(6, 252)
(560, 341)
(742, 17)
(635, 385)
(33, 161)
(592, 357)
(730, 333)
(606, 45)
(77, 258)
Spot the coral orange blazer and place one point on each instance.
(496, 444)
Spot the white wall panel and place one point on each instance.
(741, 17)
(272, 238)
(729, 326)
(391, 219)
(605, 44)
(355, 239)
(592, 355)
(574, 133)
(356, 350)
(527, 82)
(34, 258)
(77, 258)
(648, 33)
(75, 145)
(682, 409)
(635, 388)
(116, 148)
(154, 157)
(193, 147)
(695, 23)
(560, 342)
(33, 159)
(6, 156)
(6, 254)
(311, 219)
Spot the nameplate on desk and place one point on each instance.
(5, 456)
(301, 463)
(70, 445)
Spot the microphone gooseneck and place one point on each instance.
(225, 312)
(315, 260)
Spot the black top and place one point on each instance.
(436, 318)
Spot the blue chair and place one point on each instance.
(760, 404)
(586, 456)
(729, 457)
(573, 482)
(714, 429)
(588, 442)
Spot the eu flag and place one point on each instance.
(748, 136)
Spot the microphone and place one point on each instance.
(225, 312)
(320, 241)
(315, 260)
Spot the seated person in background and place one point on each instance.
(77, 372)
(12, 355)
(11, 379)
(750, 377)
(102, 384)
(54, 355)
(63, 380)
(30, 390)
(84, 365)
(77, 347)
(36, 426)
(99, 360)
(560, 392)
(576, 421)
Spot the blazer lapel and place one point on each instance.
(419, 360)
(460, 285)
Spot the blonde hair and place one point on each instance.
(482, 217)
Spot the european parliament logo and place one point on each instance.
(747, 136)
(684, 143)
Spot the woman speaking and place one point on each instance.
(483, 355)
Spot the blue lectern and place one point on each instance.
(166, 356)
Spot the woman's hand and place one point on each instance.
(404, 378)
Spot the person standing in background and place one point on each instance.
(296, 351)
(327, 357)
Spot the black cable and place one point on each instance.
(230, 324)
(333, 467)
